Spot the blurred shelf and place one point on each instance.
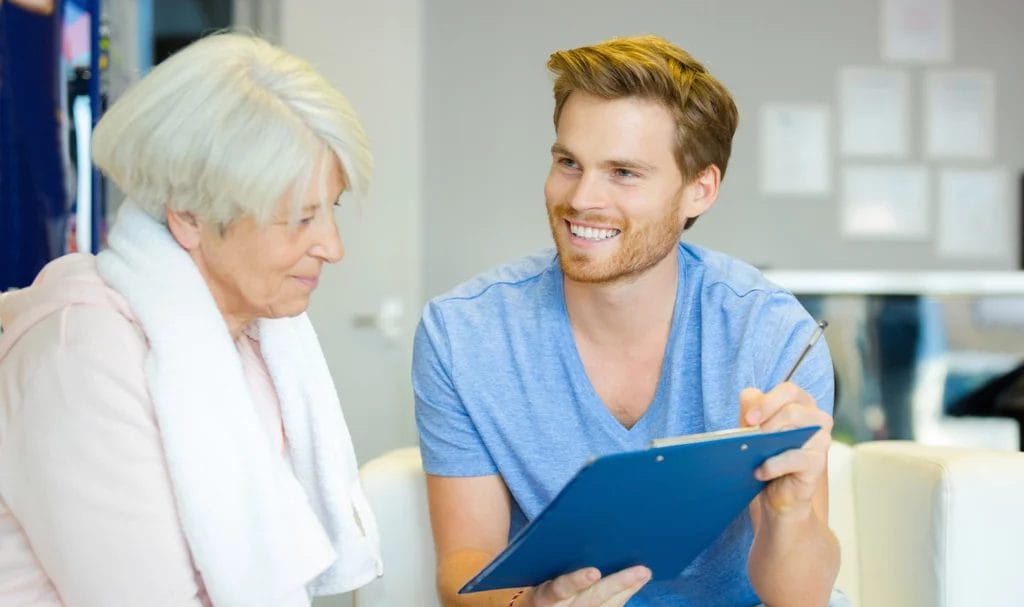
(848, 282)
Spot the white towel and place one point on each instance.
(260, 533)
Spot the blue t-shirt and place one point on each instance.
(500, 388)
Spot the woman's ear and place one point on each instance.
(184, 227)
(702, 192)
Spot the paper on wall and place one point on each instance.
(959, 113)
(974, 214)
(917, 30)
(885, 202)
(795, 152)
(873, 109)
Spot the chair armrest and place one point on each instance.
(842, 517)
(396, 489)
(938, 526)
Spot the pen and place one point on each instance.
(810, 344)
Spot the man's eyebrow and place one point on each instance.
(621, 163)
(558, 148)
(627, 164)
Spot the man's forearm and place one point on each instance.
(455, 569)
(794, 560)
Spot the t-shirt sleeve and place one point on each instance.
(83, 471)
(449, 441)
(792, 329)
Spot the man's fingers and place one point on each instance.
(569, 585)
(615, 590)
(757, 406)
(589, 590)
(618, 600)
(797, 415)
(750, 400)
(791, 462)
(822, 439)
(784, 394)
(759, 410)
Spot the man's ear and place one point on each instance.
(702, 192)
(184, 227)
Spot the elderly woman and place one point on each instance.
(169, 432)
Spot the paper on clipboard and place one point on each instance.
(679, 499)
(704, 436)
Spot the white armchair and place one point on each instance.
(928, 526)
(918, 526)
(397, 490)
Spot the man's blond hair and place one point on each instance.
(650, 67)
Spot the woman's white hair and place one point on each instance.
(224, 127)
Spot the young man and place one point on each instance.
(621, 335)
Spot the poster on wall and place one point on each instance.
(974, 214)
(873, 108)
(917, 30)
(885, 202)
(960, 113)
(794, 149)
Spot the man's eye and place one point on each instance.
(568, 163)
(626, 173)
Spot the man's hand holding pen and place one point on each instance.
(792, 476)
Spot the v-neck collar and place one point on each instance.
(594, 403)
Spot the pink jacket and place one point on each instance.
(87, 513)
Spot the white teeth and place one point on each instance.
(591, 233)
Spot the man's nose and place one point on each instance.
(587, 192)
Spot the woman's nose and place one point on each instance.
(329, 246)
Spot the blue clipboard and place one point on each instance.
(658, 507)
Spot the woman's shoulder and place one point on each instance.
(78, 343)
(68, 305)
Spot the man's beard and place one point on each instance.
(639, 247)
